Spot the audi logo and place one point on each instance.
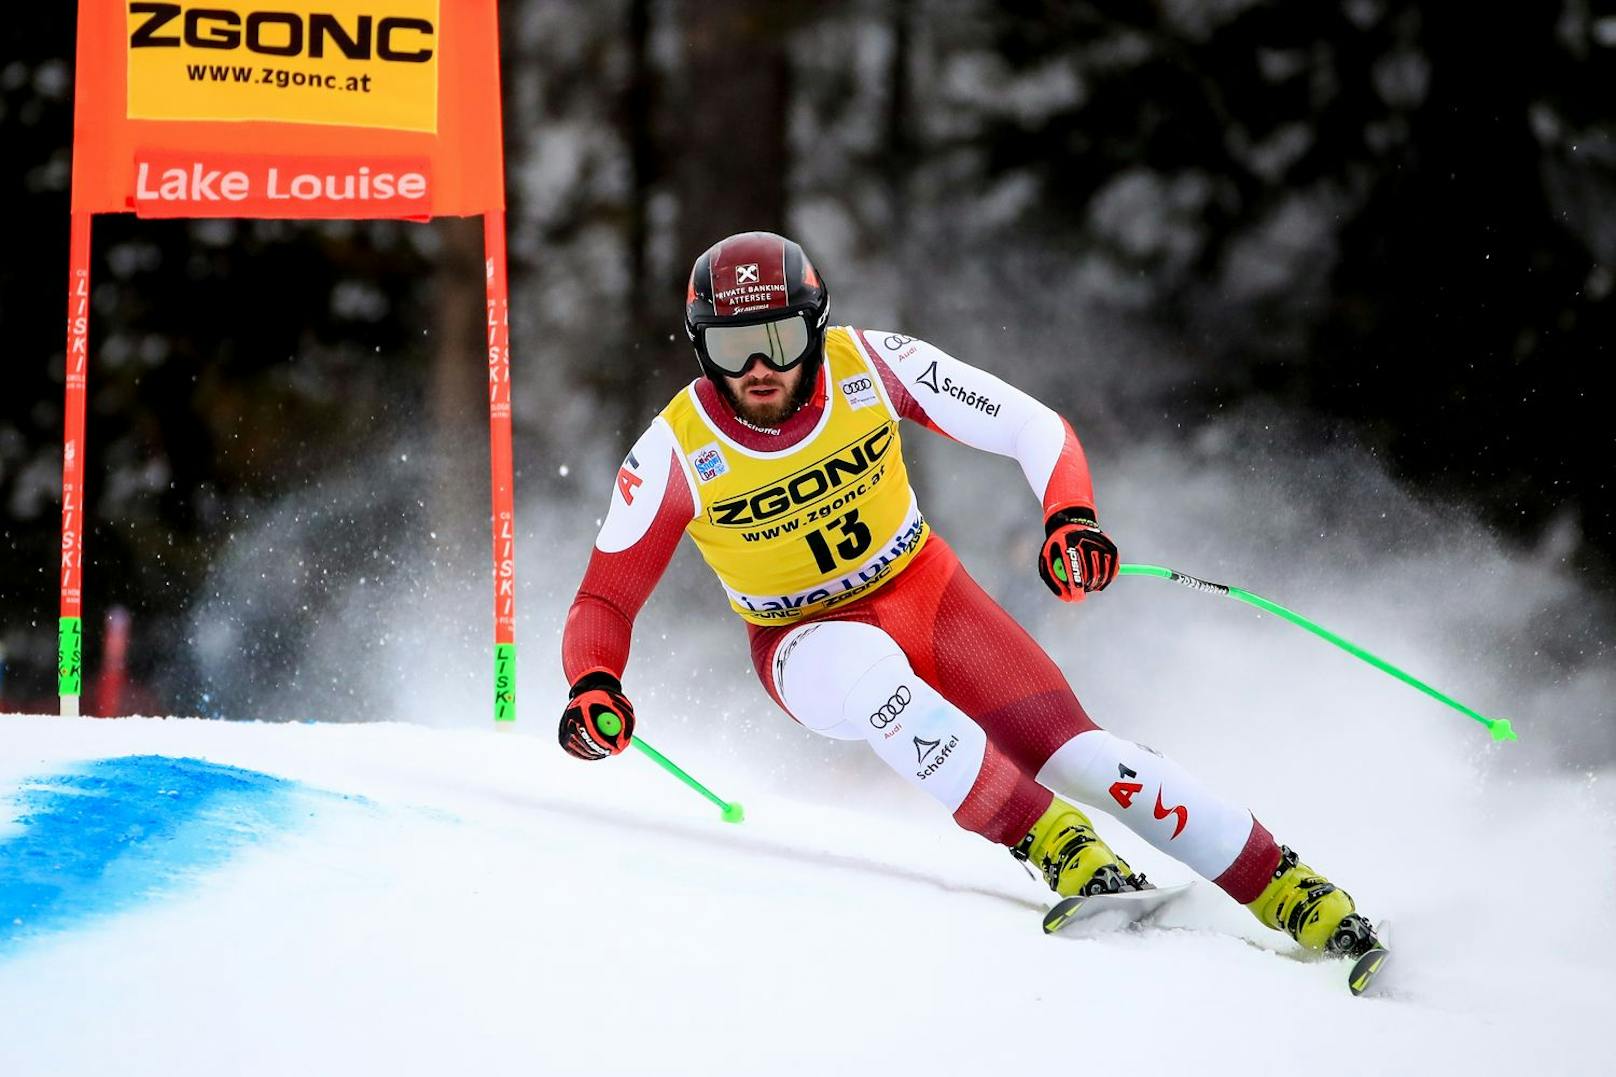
(856, 385)
(889, 711)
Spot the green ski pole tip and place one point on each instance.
(734, 813)
(1501, 730)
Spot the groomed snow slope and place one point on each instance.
(432, 902)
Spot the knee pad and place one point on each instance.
(816, 667)
(849, 680)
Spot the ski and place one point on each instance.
(1366, 967)
(1138, 906)
(1134, 905)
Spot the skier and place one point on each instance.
(783, 463)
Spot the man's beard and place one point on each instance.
(773, 413)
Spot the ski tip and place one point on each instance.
(1063, 910)
(1366, 968)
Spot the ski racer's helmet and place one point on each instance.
(756, 294)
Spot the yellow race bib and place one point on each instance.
(801, 530)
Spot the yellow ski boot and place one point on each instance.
(1063, 845)
(1312, 910)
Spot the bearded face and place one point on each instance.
(764, 396)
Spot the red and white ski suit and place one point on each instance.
(926, 667)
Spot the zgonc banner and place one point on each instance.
(288, 108)
(300, 109)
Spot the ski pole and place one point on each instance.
(733, 812)
(1499, 727)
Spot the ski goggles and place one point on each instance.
(781, 343)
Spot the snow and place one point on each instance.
(476, 902)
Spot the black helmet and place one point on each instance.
(756, 293)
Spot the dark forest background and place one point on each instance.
(1395, 220)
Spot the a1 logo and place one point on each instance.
(1122, 791)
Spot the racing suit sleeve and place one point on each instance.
(931, 387)
(650, 507)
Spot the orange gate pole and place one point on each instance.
(499, 448)
(70, 631)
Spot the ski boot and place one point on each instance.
(1063, 845)
(1312, 910)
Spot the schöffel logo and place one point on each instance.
(949, 387)
(281, 62)
(888, 712)
(933, 753)
(931, 373)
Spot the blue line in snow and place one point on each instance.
(109, 834)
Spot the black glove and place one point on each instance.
(1077, 556)
(599, 719)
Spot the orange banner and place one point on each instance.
(373, 66)
(169, 183)
(288, 108)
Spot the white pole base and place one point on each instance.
(70, 706)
